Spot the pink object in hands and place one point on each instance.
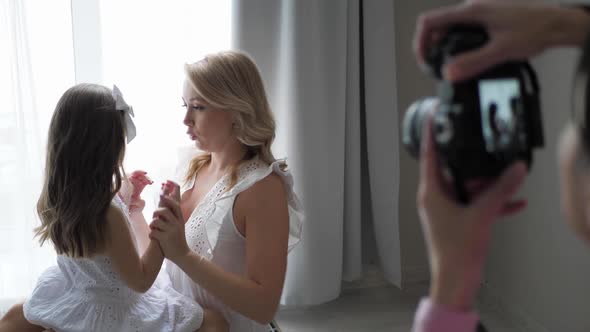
(432, 317)
(169, 188)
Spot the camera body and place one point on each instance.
(482, 125)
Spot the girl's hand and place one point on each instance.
(132, 190)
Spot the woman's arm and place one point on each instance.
(255, 295)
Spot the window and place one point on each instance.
(143, 53)
(46, 47)
(36, 66)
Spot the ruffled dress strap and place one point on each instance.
(257, 173)
(218, 203)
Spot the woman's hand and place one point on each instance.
(167, 226)
(511, 36)
(574, 171)
(458, 236)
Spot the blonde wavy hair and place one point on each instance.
(231, 82)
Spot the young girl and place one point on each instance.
(101, 282)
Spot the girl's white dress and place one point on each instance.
(87, 295)
(211, 232)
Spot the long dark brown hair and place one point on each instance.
(83, 173)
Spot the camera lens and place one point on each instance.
(413, 123)
(443, 130)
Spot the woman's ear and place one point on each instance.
(234, 125)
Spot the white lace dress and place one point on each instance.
(87, 295)
(211, 232)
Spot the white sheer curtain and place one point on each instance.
(48, 46)
(36, 66)
(310, 55)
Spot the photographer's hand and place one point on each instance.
(458, 236)
(517, 32)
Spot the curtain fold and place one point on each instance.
(352, 247)
(309, 55)
(382, 128)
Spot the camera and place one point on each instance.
(481, 125)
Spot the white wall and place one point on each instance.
(537, 266)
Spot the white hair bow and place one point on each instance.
(127, 110)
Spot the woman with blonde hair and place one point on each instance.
(238, 216)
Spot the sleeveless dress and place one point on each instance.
(86, 294)
(211, 232)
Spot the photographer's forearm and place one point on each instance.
(569, 26)
(449, 306)
(454, 289)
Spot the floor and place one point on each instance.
(374, 309)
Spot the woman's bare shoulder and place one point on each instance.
(267, 190)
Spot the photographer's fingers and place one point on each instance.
(430, 177)
(478, 186)
(513, 207)
(471, 63)
(493, 200)
(440, 19)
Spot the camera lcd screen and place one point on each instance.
(498, 100)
